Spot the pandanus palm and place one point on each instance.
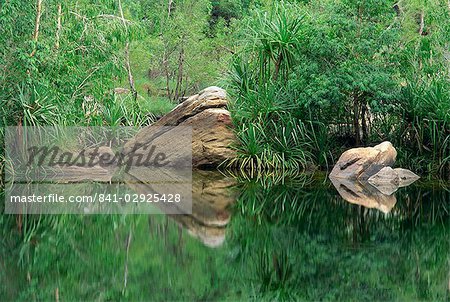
(277, 40)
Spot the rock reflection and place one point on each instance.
(373, 195)
(363, 193)
(212, 195)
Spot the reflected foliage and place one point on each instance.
(289, 239)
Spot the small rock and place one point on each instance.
(386, 180)
(385, 175)
(406, 177)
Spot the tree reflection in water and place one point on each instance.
(249, 239)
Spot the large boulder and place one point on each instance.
(212, 134)
(362, 163)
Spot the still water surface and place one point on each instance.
(247, 239)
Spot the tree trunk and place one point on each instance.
(277, 66)
(422, 23)
(363, 121)
(130, 75)
(169, 8)
(185, 85)
(121, 15)
(127, 56)
(165, 63)
(421, 27)
(356, 118)
(58, 27)
(37, 24)
(179, 86)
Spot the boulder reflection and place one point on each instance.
(372, 195)
(363, 193)
(212, 195)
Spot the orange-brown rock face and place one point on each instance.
(211, 124)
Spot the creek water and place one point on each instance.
(247, 239)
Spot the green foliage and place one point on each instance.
(307, 80)
(354, 72)
(277, 37)
(271, 147)
(186, 46)
(327, 74)
(81, 66)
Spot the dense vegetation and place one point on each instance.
(312, 78)
(306, 78)
(61, 61)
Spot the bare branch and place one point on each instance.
(422, 23)
(58, 26)
(114, 17)
(130, 75)
(169, 8)
(121, 16)
(127, 55)
(37, 24)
